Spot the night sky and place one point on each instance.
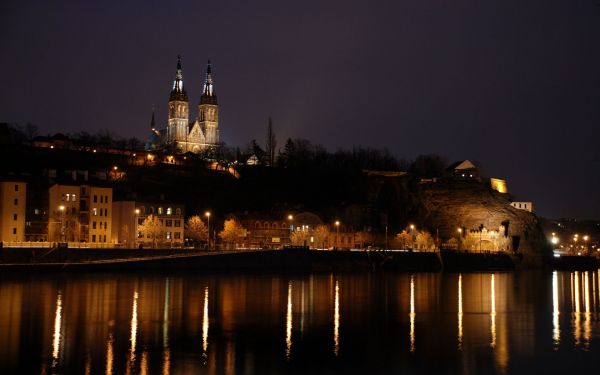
(512, 84)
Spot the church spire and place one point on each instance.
(152, 122)
(178, 92)
(208, 93)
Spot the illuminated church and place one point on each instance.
(184, 135)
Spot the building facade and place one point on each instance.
(198, 136)
(526, 206)
(79, 213)
(129, 218)
(12, 210)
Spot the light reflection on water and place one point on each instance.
(469, 322)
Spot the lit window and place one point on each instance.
(67, 197)
(168, 235)
(74, 197)
(169, 210)
(160, 210)
(95, 212)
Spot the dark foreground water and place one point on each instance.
(472, 323)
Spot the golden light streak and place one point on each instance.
(110, 354)
(336, 320)
(205, 322)
(56, 337)
(587, 328)
(134, 327)
(460, 313)
(144, 363)
(412, 314)
(493, 314)
(577, 317)
(166, 362)
(288, 323)
(555, 311)
(166, 350)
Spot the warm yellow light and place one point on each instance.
(290, 217)
(137, 211)
(412, 227)
(62, 208)
(585, 238)
(207, 214)
(554, 240)
(459, 230)
(337, 223)
(115, 167)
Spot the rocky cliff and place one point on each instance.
(448, 205)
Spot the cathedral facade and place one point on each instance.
(200, 135)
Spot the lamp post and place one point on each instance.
(412, 236)
(459, 230)
(291, 218)
(207, 214)
(137, 235)
(337, 232)
(585, 241)
(61, 208)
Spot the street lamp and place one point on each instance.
(459, 230)
(61, 208)
(207, 214)
(291, 218)
(137, 234)
(337, 231)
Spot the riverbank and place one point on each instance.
(267, 260)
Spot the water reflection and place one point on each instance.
(555, 311)
(460, 313)
(336, 320)
(412, 313)
(493, 313)
(56, 336)
(288, 323)
(154, 324)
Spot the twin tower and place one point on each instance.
(200, 135)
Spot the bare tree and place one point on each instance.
(271, 143)
(321, 235)
(300, 237)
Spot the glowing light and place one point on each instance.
(144, 363)
(290, 217)
(412, 314)
(554, 240)
(115, 168)
(205, 322)
(587, 328)
(134, 326)
(62, 208)
(336, 320)
(577, 316)
(110, 354)
(288, 323)
(207, 214)
(493, 314)
(555, 311)
(56, 337)
(460, 313)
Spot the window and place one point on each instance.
(105, 226)
(169, 223)
(160, 210)
(95, 199)
(83, 191)
(100, 212)
(142, 210)
(177, 235)
(73, 197)
(151, 210)
(67, 197)
(106, 199)
(16, 201)
(101, 199)
(95, 212)
(94, 237)
(73, 211)
(36, 211)
(140, 221)
(16, 187)
(14, 216)
(106, 212)
(14, 230)
(104, 238)
(178, 211)
(177, 223)
(169, 211)
(94, 225)
(168, 235)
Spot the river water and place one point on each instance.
(469, 323)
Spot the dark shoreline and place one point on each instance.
(299, 259)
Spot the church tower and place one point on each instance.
(208, 110)
(178, 109)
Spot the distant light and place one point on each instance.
(554, 240)
(134, 154)
(52, 146)
(115, 167)
(290, 217)
(94, 151)
(557, 255)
